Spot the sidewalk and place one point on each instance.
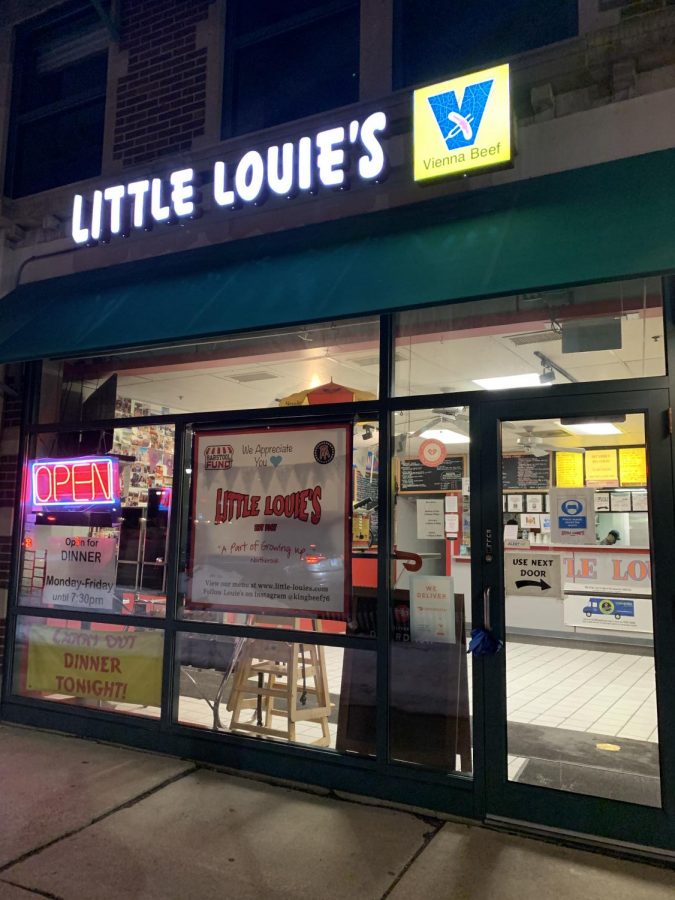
(89, 821)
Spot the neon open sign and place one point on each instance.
(85, 481)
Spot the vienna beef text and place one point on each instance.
(303, 505)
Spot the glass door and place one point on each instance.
(577, 579)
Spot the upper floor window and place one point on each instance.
(288, 60)
(58, 100)
(435, 39)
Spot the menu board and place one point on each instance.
(569, 469)
(602, 468)
(633, 466)
(526, 472)
(416, 478)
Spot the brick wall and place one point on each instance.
(10, 418)
(161, 101)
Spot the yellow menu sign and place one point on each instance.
(569, 469)
(633, 466)
(602, 468)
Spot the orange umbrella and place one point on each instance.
(326, 393)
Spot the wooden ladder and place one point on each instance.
(275, 679)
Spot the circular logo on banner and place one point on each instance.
(432, 452)
(324, 452)
(606, 607)
(572, 507)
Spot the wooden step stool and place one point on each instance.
(271, 670)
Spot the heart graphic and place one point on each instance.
(276, 460)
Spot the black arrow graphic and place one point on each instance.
(541, 583)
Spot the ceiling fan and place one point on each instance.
(538, 446)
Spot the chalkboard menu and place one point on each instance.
(416, 478)
(526, 472)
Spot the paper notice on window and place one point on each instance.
(640, 501)
(452, 524)
(620, 501)
(601, 501)
(451, 503)
(430, 521)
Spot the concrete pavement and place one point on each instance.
(87, 821)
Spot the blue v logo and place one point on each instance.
(459, 124)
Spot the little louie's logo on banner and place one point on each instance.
(462, 124)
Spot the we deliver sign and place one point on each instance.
(532, 575)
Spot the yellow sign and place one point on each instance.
(462, 124)
(602, 468)
(633, 466)
(122, 666)
(569, 469)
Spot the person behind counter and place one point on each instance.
(612, 537)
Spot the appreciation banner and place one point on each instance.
(271, 513)
(96, 665)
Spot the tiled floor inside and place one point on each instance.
(603, 691)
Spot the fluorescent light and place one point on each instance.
(592, 428)
(530, 379)
(445, 435)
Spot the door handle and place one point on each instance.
(486, 609)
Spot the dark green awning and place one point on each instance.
(593, 224)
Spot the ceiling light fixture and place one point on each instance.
(592, 428)
(504, 382)
(445, 435)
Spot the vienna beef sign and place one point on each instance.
(331, 158)
(271, 519)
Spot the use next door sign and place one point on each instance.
(532, 575)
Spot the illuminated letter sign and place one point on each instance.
(462, 124)
(324, 159)
(74, 483)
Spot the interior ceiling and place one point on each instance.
(263, 370)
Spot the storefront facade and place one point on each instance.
(269, 487)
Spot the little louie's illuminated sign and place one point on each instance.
(74, 483)
(327, 159)
(462, 124)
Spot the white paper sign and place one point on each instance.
(452, 523)
(602, 501)
(620, 501)
(640, 501)
(430, 522)
(514, 502)
(572, 516)
(270, 518)
(432, 609)
(80, 572)
(451, 503)
(534, 503)
(532, 574)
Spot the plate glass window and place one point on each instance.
(58, 102)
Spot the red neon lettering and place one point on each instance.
(104, 492)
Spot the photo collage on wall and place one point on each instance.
(152, 447)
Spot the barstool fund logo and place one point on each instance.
(462, 124)
(218, 456)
